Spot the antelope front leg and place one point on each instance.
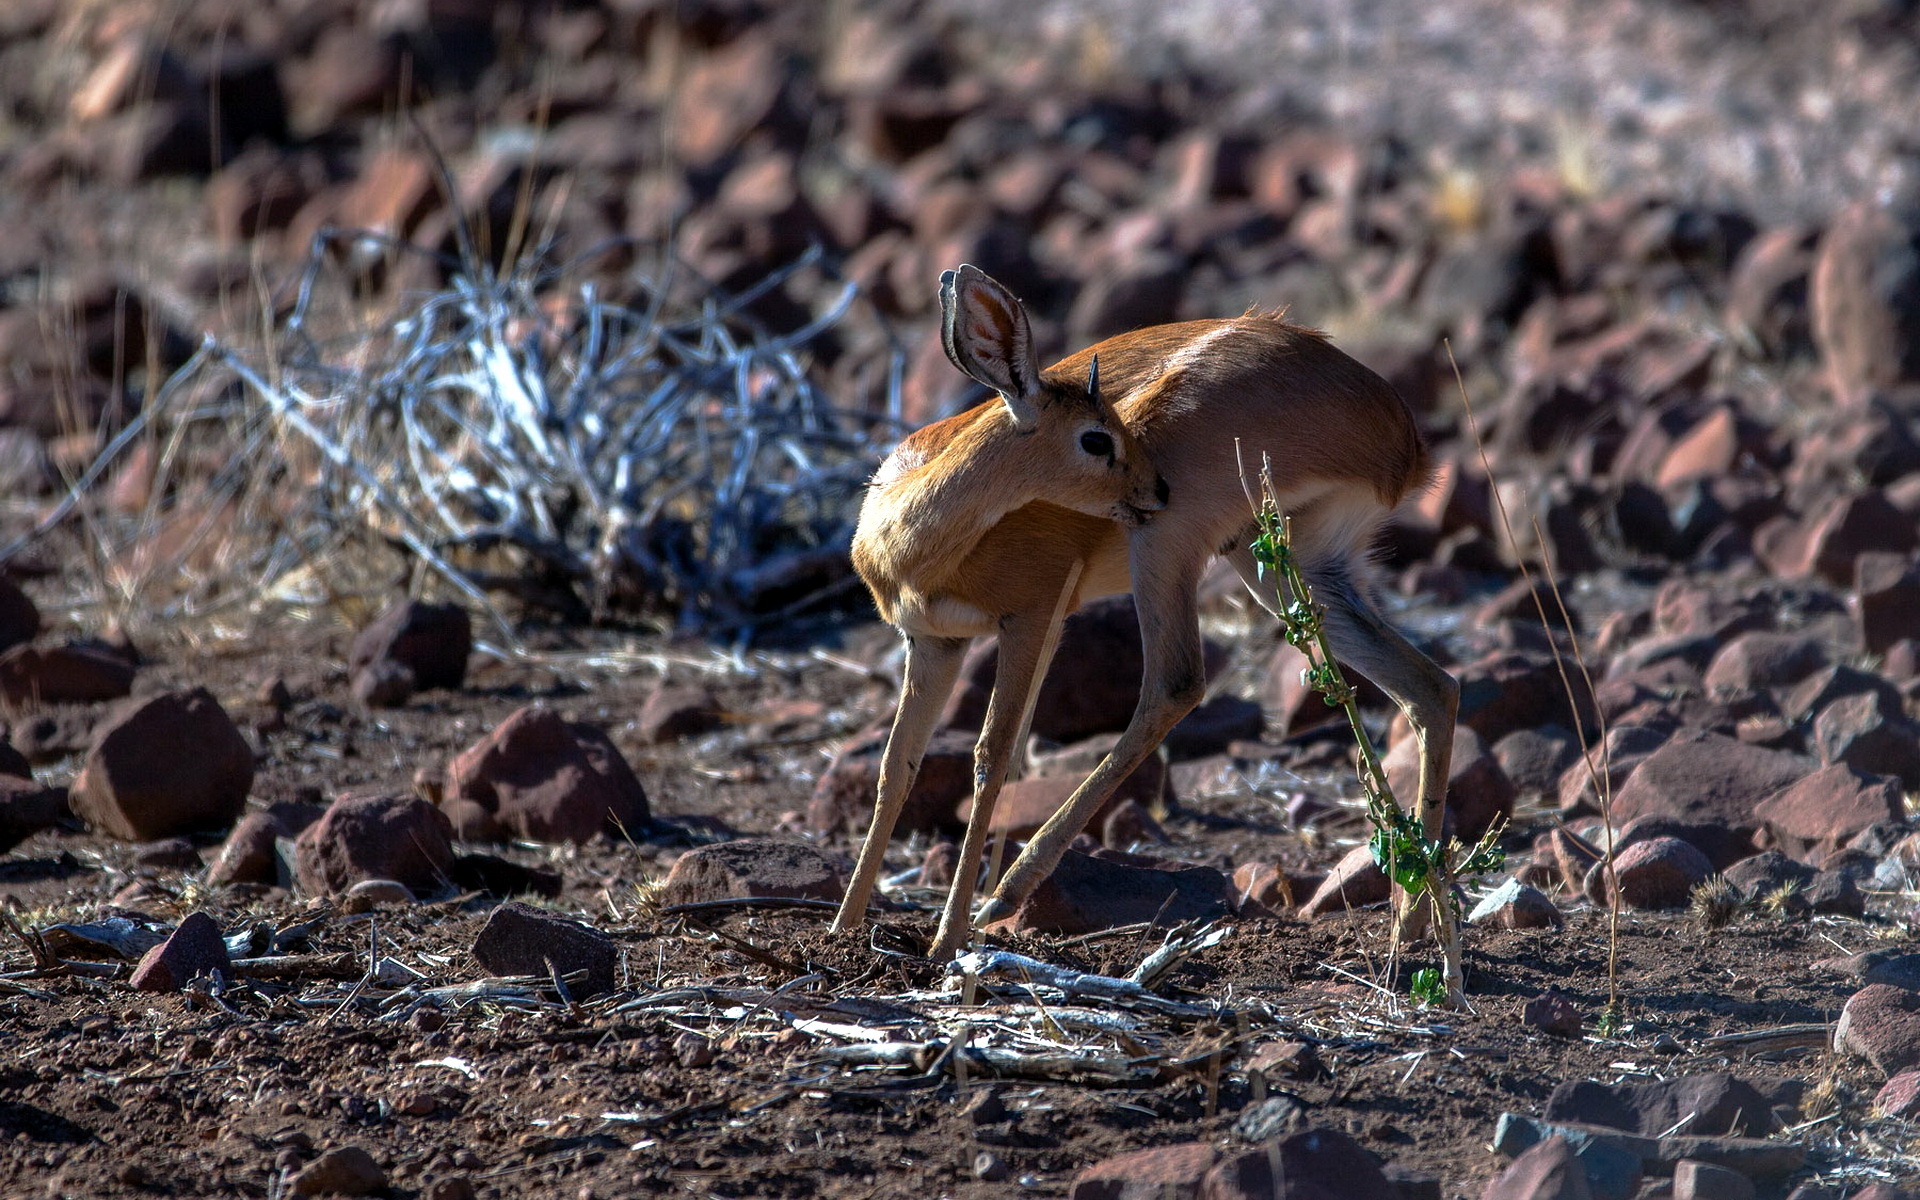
(1173, 682)
(932, 666)
(1027, 643)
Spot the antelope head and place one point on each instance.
(1071, 443)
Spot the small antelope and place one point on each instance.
(1006, 518)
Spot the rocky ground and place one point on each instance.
(310, 889)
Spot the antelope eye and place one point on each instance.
(1097, 443)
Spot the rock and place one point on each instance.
(843, 798)
(1213, 726)
(1535, 759)
(167, 854)
(1286, 1060)
(1479, 794)
(1812, 695)
(519, 939)
(1553, 1011)
(1314, 1164)
(248, 855)
(1707, 1104)
(1573, 856)
(539, 777)
(1505, 692)
(751, 867)
(433, 640)
(47, 737)
(194, 948)
(1847, 527)
(1886, 600)
(1160, 1173)
(347, 1171)
(75, 674)
(1130, 825)
(1024, 805)
(1613, 1162)
(1355, 882)
(1291, 704)
(19, 616)
(1870, 736)
(937, 868)
(402, 838)
(370, 894)
(1268, 1119)
(1767, 293)
(1514, 905)
(1705, 1181)
(1881, 1024)
(1899, 1097)
(1766, 873)
(1412, 1183)
(497, 876)
(1547, 1171)
(164, 765)
(1822, 812)
(1835, 892)
(1889, 965)
(384, 684)
(672, 714)
(1087, 893)
(1762, 659)
(1707, 778)
(1091, 687)
(1866, 300)
(1659, 873)
(26, 808)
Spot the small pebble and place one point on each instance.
(989, 1167)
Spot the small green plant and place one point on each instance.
(1609, 1020)
(1428, 986)
(1414, 858)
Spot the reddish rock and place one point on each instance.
(1847, 527)
(1553, 1012)
(1866, 318)
(1706, 451)
(1547, 1171)
(843, 797)
(1886, 600)
(1092, 685)
(539, 777)
(674, 713)
(725, 96)
(1822, 812)
(1129, 825)
(519, 939)
(1881, 1023)
(1534, 759)
(752, 867)
(1767, 293)
(345, 1171)
(1707, 778)
(384, 684)
(1286, 1060)
(1759, 660)
(937, 868)
(1314, 1164)
(163, 765)
(1814, 693)
(1265, 884)
(1147, 785)
(248, 855)
(1025, 804)
(433, 640)
(19, 616)
(1355, 882)
(1711, 1104)
(1160, 1173)
(1087, 893)
(194, 948)
(1657, 873)
(1871, 736)
(1479, 794)
(167, 854)
(26, 807)
(1505, 692)
(1515, 905)
(75, 674)
(401, 838)
(1693, 1180)
(1900, 1096)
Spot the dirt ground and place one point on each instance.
(115, 1092)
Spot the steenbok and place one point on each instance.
(1115, 470)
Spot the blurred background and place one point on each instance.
(1632, 225)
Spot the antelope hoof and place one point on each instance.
(995, 909)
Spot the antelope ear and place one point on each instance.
(986, 335)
